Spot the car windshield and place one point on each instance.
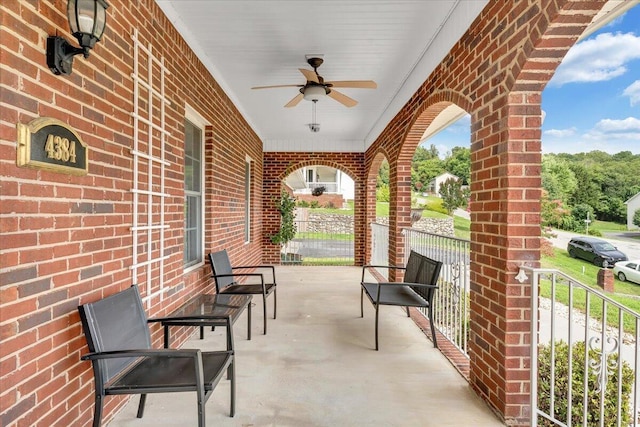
(605, 246)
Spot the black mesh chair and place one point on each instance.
(226, 278)
(416, 290)
(125, 363)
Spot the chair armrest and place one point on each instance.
(265, 266)
(390, 267)
(164, 352)
(422, 285)
(401, 267)
(242, 275)
(193, 317)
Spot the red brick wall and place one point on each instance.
(66, 239)
(278, 165)
(497, 75)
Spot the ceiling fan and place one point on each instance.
(315, 87)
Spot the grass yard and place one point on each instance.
(626, 293)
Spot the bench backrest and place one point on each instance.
(414, 263)
(428, 274)
(117, 322)
(220, 264)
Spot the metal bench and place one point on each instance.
(125, 363)
(418, 289)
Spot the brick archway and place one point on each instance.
(499, 75)
(276, 167)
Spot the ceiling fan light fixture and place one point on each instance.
(314, 93)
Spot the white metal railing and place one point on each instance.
(380, 247)
(582, 343)
(451, 301)
(321, 243)
(329, 187)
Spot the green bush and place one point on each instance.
(303, 204)
(561, 386)
(382, 193)
(436, 206)
(286, 205)
(314, 204)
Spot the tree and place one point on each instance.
(422, 153)
(557, 178)
(383, 174)
(459, 163)
(453, 196)
(424, 171)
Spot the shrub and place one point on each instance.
(318, 191)
(303, 204)
(286, 205)
(436, 206)
(314, 204)
(636, 218)
(330, 205)
(561, 385)
(382, 193)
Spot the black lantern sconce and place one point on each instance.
(87, 19)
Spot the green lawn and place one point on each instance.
(626, 293)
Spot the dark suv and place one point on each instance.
(597, 251)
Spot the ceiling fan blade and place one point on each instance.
(343, 99)
(309, 75)
(270, 87)
(360, 84)
(296, 99)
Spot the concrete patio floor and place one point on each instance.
(317, 367)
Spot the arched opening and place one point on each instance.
(324, 216)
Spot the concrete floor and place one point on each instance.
(317, 367)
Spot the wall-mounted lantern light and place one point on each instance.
(87, 19)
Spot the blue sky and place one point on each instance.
(593, 100)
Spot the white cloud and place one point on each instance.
(608, 135)
(598, 59)
(633, 92)
(607, 129)
(560, 133)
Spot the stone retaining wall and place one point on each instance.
(343, 224)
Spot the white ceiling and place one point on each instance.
(246, 43)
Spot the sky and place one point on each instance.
(593, 100)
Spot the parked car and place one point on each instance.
(598, 251)
(627, 270)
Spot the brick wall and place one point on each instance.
(496, 73)
(66, 239)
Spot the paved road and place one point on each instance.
(623, 241)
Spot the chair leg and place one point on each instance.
(275, 304)
(264, 312)
(143, 399)
(361, 300)
(408, 315)
(97, 415)
(376, 327)
(201, 414)
(433, 328)
(249, 321)
(232, 367)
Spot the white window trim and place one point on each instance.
(194, 117)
